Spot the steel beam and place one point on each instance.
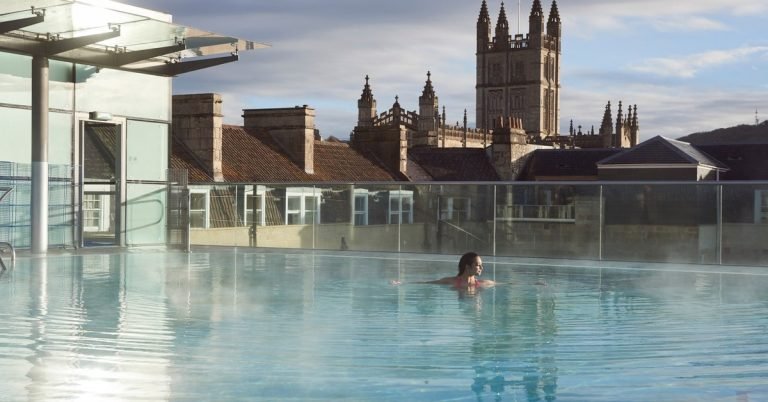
(12, 25)
(173, 69)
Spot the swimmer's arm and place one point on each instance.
(443, 281)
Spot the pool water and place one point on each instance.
(244, 324)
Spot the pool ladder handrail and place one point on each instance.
(460, 229)
(3, 267)
(4, 191)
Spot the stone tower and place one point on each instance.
(519, 77)
(366, 107)
(429, 114)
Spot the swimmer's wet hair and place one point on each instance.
(465, 260)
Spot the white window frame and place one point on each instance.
(303, 193)
(103, 208)
(363, 214)
(398, 196)
(447, 210)
(206, 210)
(260, 197)
(761, 206)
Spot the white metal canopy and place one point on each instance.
(112, 35)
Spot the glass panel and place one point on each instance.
(15, 78)
(16, 138)
(334, 232)
(197, 201)
(123, 93)
(548, 220)
(745, 224)
(197, 219)
(147, 150)
(198, 204)
(294, 203)
(59, 138)
(407, 208)
(60, 209)
(454, 236)
(100, 163)
(60, 85)
(16, 81)
(361, 207)
(310, 207)
(145, 214)
(660, 222)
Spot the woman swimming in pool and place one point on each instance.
(470, 267)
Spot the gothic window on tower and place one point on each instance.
(495, 73)
(546, 111)
(495, 106)
(551, 67)
(516, 100)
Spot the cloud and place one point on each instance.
(322, 50)
(670, 110)
(688, 24)
(688, 66)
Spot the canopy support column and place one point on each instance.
(39, 210)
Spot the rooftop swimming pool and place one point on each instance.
(246, 324)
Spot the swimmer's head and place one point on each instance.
(467, 260)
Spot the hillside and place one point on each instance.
(743, 134)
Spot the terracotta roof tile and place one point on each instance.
(253, 156)
(336, 161)
(182, 159)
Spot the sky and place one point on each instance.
(688, 65)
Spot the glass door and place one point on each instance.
(100, 160)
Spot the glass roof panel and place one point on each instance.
(139, 29)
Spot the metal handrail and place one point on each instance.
(460, 229)
(13, 255)
(4, 191)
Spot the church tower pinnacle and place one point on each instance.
(502, 40)
(483, 28)
(366, 107)
(536, 24)
(429, 110)
(554, 26)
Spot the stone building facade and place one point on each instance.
(519, 76)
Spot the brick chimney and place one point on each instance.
(292, 128)
(197, 123)
(389, 145)
(509, 148)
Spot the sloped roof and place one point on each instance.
(253, 156)
(337, 161)
(182, 159)
(565, 163)
(453, 164)
(661, 150)
(744, 161)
